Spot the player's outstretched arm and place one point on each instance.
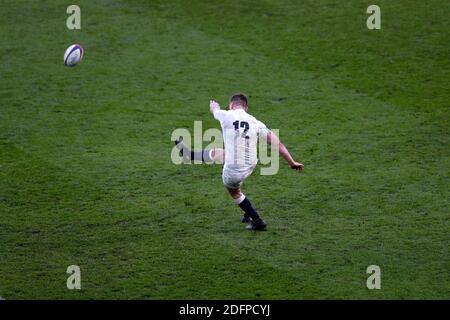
(273, 140)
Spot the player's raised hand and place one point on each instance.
(297, 166)
(213, 105)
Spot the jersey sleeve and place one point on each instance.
(220, 114)
(263, 131)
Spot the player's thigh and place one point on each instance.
(233, 180)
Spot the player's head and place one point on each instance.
(238, 101)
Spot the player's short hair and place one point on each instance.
(239, 99)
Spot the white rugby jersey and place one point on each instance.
(240, 135)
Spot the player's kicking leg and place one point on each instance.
(214, 155)
(250, 214)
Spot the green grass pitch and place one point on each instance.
(85, 171)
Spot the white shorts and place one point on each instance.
(234, 177)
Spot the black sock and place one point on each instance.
(190, 155)
(201, 155)
(248, 209)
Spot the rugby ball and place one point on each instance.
(73, 55)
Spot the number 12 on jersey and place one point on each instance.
(242, 124)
